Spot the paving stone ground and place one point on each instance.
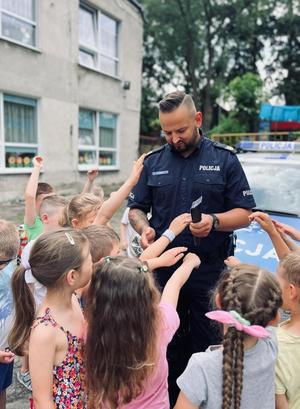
(17, 394)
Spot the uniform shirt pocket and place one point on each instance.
(212, 187)
(162, 186)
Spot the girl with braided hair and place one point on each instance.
(240, 374)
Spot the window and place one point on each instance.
(18, 132)
(98, 40)
(97, 140)
(18, 21)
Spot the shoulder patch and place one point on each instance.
(155, 151)
(223, 146)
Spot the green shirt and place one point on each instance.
(35, 230)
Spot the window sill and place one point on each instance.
(18, 43)
(85, 168)
(114, 77)
(15, 171)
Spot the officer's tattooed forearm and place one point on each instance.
(138, 220)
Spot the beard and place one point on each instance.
(187, 146)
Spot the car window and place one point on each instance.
(275, 186)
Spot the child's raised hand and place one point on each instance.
(286, 229)
(232, 261)
(6, 357)
(179, 223)
(37, 162)
(192, 259)
(92, 174)
(136, 170)
(264, 220)
(172, 256)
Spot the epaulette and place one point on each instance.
(155, 151)
(223, 146)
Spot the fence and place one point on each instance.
(148, 143)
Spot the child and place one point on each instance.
(86, 209)
(60, 261)
(82, 210)
(9, 245)
(51, 215)
(240, 374)
(130, 239)
(129, 328)
(288, 335)
(34, 194)
(103, 240)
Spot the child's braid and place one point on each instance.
(256, 295)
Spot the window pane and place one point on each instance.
(19, 157)
(23, 8)
(108, 36)
(87, 158)
(107, 158)
(87, 59)
(18, 30)
(108, 66)
(86, 127)
(107, 130)
(87, 27)
(19, 123)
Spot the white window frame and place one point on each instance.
(96, 51)
(96, 148)
(3, 144)
(25, 20)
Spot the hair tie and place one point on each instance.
(234, 319)
(70, 238)
(143, 268)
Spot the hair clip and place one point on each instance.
(70, 238)
(106, 259)
(143, 268)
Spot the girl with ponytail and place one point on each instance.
(240, 374)
(61, 262)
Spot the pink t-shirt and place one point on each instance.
(155, 394)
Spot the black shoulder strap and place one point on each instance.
(155, 151)
(223, 146)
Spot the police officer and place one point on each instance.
(187, 167)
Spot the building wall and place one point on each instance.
(53, 76)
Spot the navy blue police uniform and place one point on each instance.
(167, 187)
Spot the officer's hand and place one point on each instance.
(202, 229)
(232, 261)
(179, 223)
(147, 237)
(264, 220)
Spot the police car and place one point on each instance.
(273, 172)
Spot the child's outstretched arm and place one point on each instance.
(281, 402)
(41, 362)
(176, 227)
(167, 259)
(91, 176)
(111, 205)
(264, 220)
(180, 276)
(289, 230)
(184, 403)
(30, 191)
